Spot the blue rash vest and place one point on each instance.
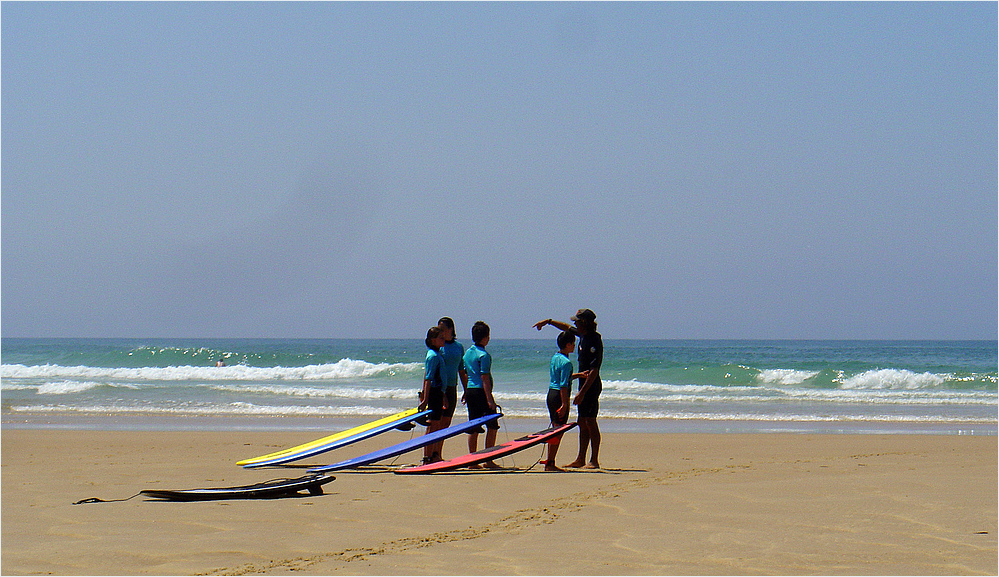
(453, 354)
(477, 363)
(561, 372)
(434, 365)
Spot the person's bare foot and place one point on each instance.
(575, 465)
(490, 465)
(553, 469)
(475, 466)
(592, 466)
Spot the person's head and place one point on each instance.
(480, 333)
(447, 325)
(435, 338)
(566, 342)
(585, 320)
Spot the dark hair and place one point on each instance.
(449, 323)
(432, 334)
(564, 338)
(586, 320)
(480, 330)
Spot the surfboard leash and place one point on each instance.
(96, 500)
(541, 458)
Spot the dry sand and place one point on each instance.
(664, 504)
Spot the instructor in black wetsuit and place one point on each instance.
(591, 354)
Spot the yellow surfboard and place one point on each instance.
(335, 440)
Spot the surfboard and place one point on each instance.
(266, 490)
(407, 446)
(490, 453)
(337, 440)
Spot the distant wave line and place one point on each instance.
(624, 391)
(343, 369)
(246, 409)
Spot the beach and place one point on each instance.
(674, 504)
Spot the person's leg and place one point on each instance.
(594, 444)
(552, 451)
(473, 444)
(445, 422)
(438, 447)
(490, 442)
(584, 443)
(435, 404)
(446, 417)
(554, 402)
(435, 425)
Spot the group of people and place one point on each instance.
(448, 362)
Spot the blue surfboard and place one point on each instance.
(407, 446)
(397, 421)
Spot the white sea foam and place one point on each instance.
(526, 397)
(796, 417)
(634, 386)
(66, 387)
(652, 394)
(321, 392)
(785, 377)
(248, 409)
(233, 409)
(8, 386)
(343, 369)
(892, 379)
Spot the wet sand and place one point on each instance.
(664, 504)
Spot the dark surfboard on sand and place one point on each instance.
(273, 489)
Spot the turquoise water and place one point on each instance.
(865, 386)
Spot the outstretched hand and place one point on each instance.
(539, 325)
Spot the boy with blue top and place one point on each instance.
(479, 390)
(432, 396)
(452, 354)
(561, 376)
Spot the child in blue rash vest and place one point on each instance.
(479, 390)
(432, 397)
(560, 385)
(452, 353)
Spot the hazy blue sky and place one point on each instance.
(686, 170)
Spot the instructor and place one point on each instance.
(591, 354)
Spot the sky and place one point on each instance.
(358, 170)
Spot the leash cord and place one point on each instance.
(96, 500)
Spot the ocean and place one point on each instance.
(938, 387)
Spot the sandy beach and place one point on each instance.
(715, 504)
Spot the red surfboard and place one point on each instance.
(490, 453)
